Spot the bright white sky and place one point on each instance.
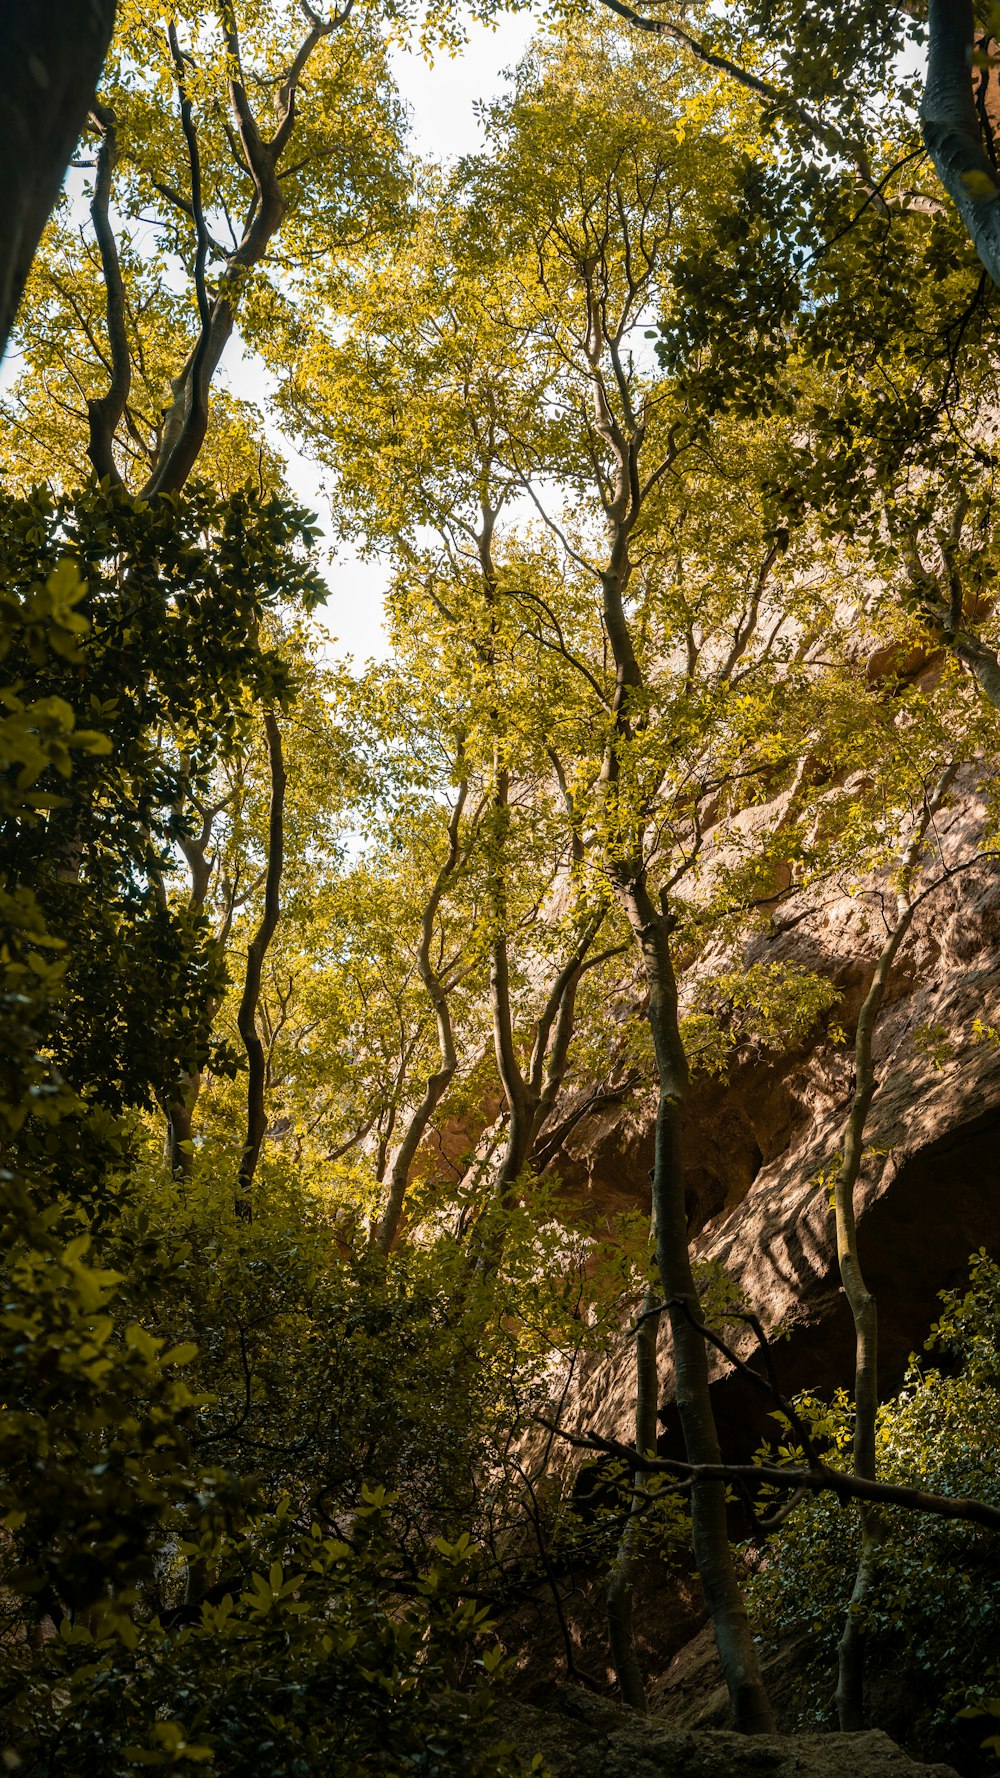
(441, 100)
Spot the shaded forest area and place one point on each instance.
(462, 1113)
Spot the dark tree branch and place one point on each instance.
(256, 952)
(104, 413)
(833, 139)
(187, 419)
(820, 1479)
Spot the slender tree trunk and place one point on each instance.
(621, 1630)
(437, 1083)
(864, 1310)
(180, 1112)
(532, 1094)
(51, 56)
(710, 1533)
(651, 928)
(256, 952)
(105, 412)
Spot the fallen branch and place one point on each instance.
(818, 1479)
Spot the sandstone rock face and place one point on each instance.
(585, 1737)
(762, 1143)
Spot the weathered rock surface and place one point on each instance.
(762, 1143)
(586, 1737)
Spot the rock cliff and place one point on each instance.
(761, 1143)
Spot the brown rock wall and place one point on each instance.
(762, 1143)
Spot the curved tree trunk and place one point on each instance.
(256, 952)
(51, 56)
(951, 128)
(624, 434)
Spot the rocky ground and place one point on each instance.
(580, 1736)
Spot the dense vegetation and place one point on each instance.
(671, 416)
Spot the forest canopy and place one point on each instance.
(391, 1048)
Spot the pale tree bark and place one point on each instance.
(951, 128)
(51, 56)
(256, 1126)
(864, 1312)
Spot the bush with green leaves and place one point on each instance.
(268, 1605)
(934, 1620)
(162, 1602)
(314, 1655)
(323, 1369)
(163, 646)
(281, 1610)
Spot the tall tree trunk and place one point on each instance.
(177, 1147)
(256, 952)
(863, 1307)
(51, 56)
(651, 927)
(737, 1650)
(104, 412)
(178, 1151)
